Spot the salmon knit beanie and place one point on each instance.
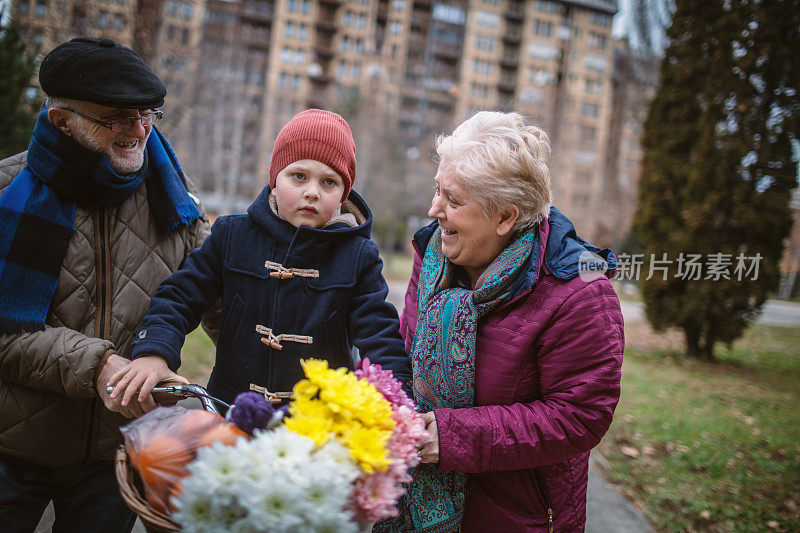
(319, 135)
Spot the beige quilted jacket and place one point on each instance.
(50, 413)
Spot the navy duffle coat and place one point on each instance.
(344, 307)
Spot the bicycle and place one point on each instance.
(130, 486)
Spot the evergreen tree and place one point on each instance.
(718, 169)
(17, 114)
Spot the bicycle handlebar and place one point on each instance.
(188, 391)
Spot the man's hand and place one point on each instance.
(114, 363)
(141, 375)
(430, 446)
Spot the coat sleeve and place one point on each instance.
(211, 319)
(408, 320)
(181, 299)
(58, 359)
(374, 326)
(579, 360)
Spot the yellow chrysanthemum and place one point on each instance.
(368, 447)
(312, 419)
(305, 390)
(335, 402)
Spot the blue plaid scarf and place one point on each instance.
(38, 207)
(443, 362)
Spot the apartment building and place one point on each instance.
(237, 70)
(47, 23)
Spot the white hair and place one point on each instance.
(57, 101)
(501, 160)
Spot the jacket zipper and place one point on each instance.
(544, 498)
(101, 309)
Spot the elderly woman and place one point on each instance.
(516, 356)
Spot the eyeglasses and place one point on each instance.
(122, 123)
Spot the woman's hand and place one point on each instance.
(430, 446)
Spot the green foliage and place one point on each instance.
(17, 116)
(717, 171)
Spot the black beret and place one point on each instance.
(100, 71)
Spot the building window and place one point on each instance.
(188, 10)
(483, 42)
(492, 2)
(546, 6)
(299, 6)
(102, 20)
(542, 28)
(594, 86)
(595, 63)
(480, 66)
(398, 5)
(451, 14)
(172, 7)
(601, 19)
(590, 110)
(540, 77)
(484, 19)
(588, 133)
(24, 7)
(532, 97)
(597, 40)
(542, 51)
(40, 9)
(480, 90)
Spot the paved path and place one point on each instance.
(774, 313)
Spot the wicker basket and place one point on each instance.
(154, 520)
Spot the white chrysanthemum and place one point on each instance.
(334, 523)
(194, 511)
(220, 465)
(283, 447)
(275, 506)
(334, 455)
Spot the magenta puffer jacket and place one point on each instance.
(547, 380)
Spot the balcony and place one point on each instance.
(255, 37)
(509, 61)
(513, 37)
(257, 11)
(507, 86)
(447, 51)
(326, 26)
(322, 79)
(324, 51)
(515, 12)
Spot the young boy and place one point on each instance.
(298, 277)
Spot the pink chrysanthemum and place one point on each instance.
(385, 382)
(375, 495)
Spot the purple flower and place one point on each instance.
(251, 411)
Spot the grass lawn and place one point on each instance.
(197, 357)
(710, 447)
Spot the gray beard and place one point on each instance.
(121, 167)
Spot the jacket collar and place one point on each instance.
(560, 256)
(262, 214)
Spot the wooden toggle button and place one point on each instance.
(272, 344)
(281, 275)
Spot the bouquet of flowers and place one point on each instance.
(336, 463)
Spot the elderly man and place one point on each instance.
(92, 218)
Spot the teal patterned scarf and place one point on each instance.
(443, 358)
